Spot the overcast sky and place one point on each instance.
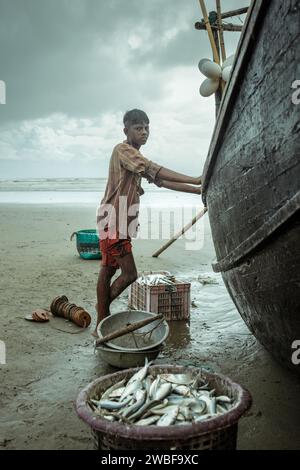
(73, 67)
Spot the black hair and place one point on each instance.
(135, 116)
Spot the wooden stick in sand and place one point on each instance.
(181, 232)
(128, 329)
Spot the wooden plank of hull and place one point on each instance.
(265, 290)
(252, 174)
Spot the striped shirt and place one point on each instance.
(117, 214)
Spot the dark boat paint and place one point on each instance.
(251, 178)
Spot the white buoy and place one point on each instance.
(229, 61)
(226, 73)
(201, 62)
(209, 87)
(210, 69)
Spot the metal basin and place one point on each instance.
(127, 359)
(133, 341)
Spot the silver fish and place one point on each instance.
(111, 389)
(168, 418)
(179, 379)
(116, 393)
(221, 409)
(186, 412)
(163, 391)
(131, 388)
(109, 417)
(139, 413)
(223, 399)
(147, 421)
(153, 388)
(162, 411)
(202, 418)
(147, 382)
(110, 405)
(199, 406)
(201, 394)
(181, 389)
(141, 374)
(179, 400)
(211, 404)
(140, 400)
(180, 417)
(161, 405)
(155, 408)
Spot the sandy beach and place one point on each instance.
(48, 364)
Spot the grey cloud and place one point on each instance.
(52, 56)
(72, 57)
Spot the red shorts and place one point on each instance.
(112, 249)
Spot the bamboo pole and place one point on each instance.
(181, 232)
(219, 92)
(226, 27)
(127, 329)
(209, 31)
(240, 11)
(221, 34)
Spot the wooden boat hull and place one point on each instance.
(251, 179)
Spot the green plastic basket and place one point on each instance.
(87, 243)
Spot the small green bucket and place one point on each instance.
(87, 243)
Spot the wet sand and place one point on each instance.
(46, 367)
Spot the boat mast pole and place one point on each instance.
(220, 27)
(210, 33)
(219, 92)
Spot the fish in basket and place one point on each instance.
(163, 407)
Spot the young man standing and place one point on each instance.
(118, 210)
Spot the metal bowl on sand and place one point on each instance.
(127, 359)
(148, 337)
(131, 349)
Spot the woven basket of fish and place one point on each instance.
(163, 407)
(160, 292)
(87, 244)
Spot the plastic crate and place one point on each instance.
(161, 299)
